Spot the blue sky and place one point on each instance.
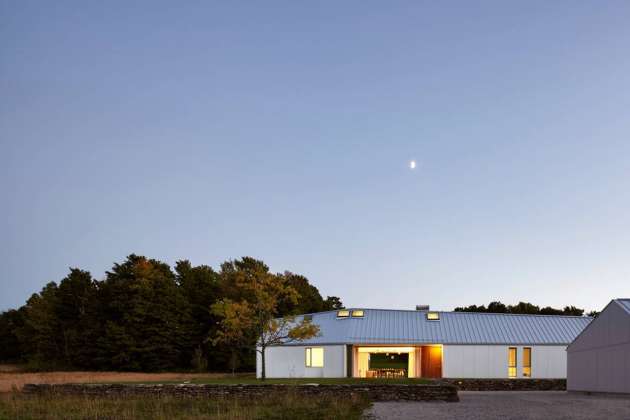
(284, 130)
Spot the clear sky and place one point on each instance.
(284, 131)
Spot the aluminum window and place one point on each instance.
(527, 362)
(433, 316)
(343, 313)
(314, 357)
(512, 362)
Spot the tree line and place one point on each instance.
(527, 308)
(146, 316)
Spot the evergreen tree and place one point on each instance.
(200, 287)
(148, 321)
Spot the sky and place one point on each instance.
(284, 130)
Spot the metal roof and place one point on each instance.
(624, 303)
(387, 326)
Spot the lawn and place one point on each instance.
(291, 381)
(279, 407)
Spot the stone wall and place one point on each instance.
(374, 392)
(471, 384)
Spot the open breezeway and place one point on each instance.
(497, 405)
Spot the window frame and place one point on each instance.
(357, 313)
(527, 362)
(433, 316)
(308, 357)
(343, 313)
(512, 369)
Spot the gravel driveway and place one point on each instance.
(524, 405)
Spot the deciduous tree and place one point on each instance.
(250, 318)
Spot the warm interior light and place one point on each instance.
(357, 313)
(314, 357)
(344, 313)
(512, 362)
(386, 350)
(317, 357)
(433, 316)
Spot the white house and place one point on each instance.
(599, 358)
(423, 343)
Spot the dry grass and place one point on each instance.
(15, 380)
(10, 368)
(278, 407)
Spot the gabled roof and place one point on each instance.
(386, 326)
(624, 303)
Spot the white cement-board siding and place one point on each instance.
(491, 361)
(290, 362)
(599, 359)
(605, 369)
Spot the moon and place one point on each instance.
(412, 164)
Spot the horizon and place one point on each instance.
(393, 154)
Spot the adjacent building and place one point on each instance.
(422, 343)
(599, 358)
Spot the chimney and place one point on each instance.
(422, 307)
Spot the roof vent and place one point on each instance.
(422, 307)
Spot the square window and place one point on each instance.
(314, 357)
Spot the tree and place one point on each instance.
(144, 316)
(75, 311)
(249, 317)
(471, 308)
(497, 307)
(40, 333)
(309, 299)
(572, 310)
(200, 287)
(524, 308)
(10, 322)
(332, 303)
(147, 318)
(548, 310)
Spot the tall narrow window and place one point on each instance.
(512, 362)
(314, 357)
(527, 362)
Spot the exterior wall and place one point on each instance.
(290, 362)
(599, 359)
(491, 361)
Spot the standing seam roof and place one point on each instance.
(624, 303)
(385, 326)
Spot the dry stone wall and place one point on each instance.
(374, 392)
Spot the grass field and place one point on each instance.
(18, 406)
(12, 379)
(14, 405)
